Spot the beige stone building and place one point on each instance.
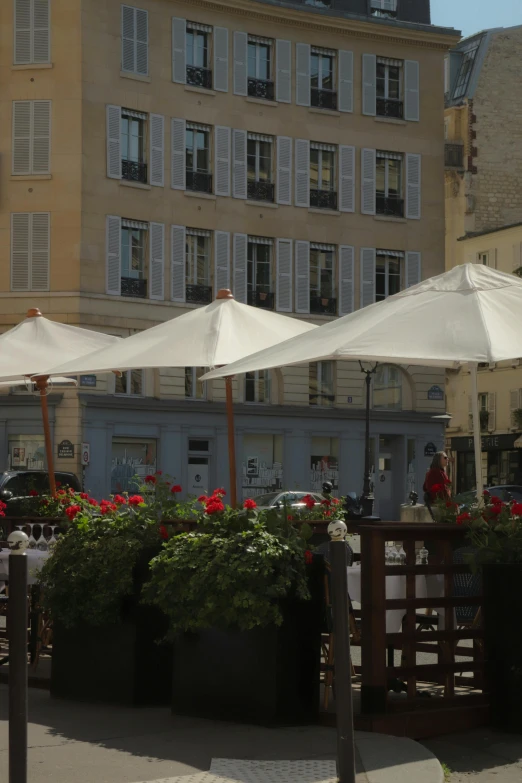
(483, 130)
(158, 151)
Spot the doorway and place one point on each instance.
(388, 483)
(198, 472)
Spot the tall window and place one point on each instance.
(130, 383)
(259, 277)
(389, 88)
(389, 168)
(198, 55)
(197, 153)
(133, 263)
(260, 78)
(133, 166)
(322, 79)
(322, 176)
(195, 388)
(257, 386)
(388, 273)
(387, 388)
(198, 289)
(31, 31)
(321, 384)
(260, 186)
(134, 40)
(463, 76)
(322, 279)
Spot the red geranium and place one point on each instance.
(60, 492)
(335, 501)
(486, 493)
(437, 488)
(3, 506)
(33, 493)
(214, 506)
(496, 500)
(163, 532)
(516, 509)
(290, 518)
(120, 500)
(309, 558)
(309, 502)
(220, 492)
(84, 496)
(464, 517)
(249, 503)
(150, 479)
(58, 484)
(44, 502)
(202, 499)
(159, 473)
(326, 502)
(176, 488)
(72, 511)
(135, 500)
(93, 502)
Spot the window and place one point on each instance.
(389, 88)
(321, 384)
(388, 173)
(197, 288)
(134, 40)
(130, 383)
(257, 386)
(133, 259)
(31, 31)
(25, 452)
(133, 165)
(198, 55)
(195, 388)
(260, 81)
(463, 76)
(489, 258)
(30, 251)
(384, 8)
(197, 153)
(322, 79)
(131, 460)
(322, 279)
(388, 273)
(259, 263)
(322, 176)
(483, 405)
(31, 137)
(260, 186)
(387, 388)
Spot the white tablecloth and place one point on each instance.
(425, 587)
(35, 560)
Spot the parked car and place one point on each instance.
(278, 499)
(506, 492)
(16, 486)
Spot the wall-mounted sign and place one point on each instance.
(65, 450)
(435, 393)
(88, 380)
(349, 399)
(86, 453)
(430, 450)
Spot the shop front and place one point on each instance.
(501, 460)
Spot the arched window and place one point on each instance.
(387, 388)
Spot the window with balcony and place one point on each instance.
(386, 9)
(260, 185)
(197, 154)
(387, 388)
(198, 37)
(322, 279)
(321, 384)
(259, 273)
(133, 263)
(323, 94)
(323, 194)
(388, 273)
(257, 386)
(129, 383)
(132, 140)
(390, 100)
(260, 77)
(388, 181)
(197, 283)
(195, 388)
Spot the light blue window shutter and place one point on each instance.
(367, 276)
(411, 91)
(283, 71)
(284, 170)
(345, 101)
(179, 50)
(369, 85)
(221, 260)
(177, 263)
(302, 276)
(221, 59)
(178, 153)
(157, 261)
(222, 160)
(157, 150)
(413, 268)
(302, 173)
(413, 187)
(346, 178)
(113, 141)
(368, 182)
(302, 68)
(346, 279)
(113, 255)
(239, 163)
(284, 275)
(240, 63)
(240, 267)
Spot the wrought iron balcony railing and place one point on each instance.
(259, 88)
(390, 205)
(453, 156)
(323, 199)
(261, 299)
(199, 180)
(133, 171)
(323, 305)
(199, 77)
(131, 286)
(198, 294)
(390, 107)
(323, 99)
(260, 191)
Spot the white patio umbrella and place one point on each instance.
(210, 336)
(32, 346)
(468, 315)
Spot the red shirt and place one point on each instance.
(434, 477)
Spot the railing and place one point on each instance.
(131, 286)
(133, 171)
(453, 156)
(260, 191)
(323, 305)
(199, 77)
(390, 205)
(323, 99)
(323, 199)
(260, 88)
(198, 294)
(199, 180)
(261, 299)
(390, 107)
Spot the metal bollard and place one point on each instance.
(343, 673)
(17, 625)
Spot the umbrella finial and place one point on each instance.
(224, 293)
(33, 312)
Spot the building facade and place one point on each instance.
(157, 152)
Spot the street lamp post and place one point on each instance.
(368, 499)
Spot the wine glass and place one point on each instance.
(32, 539)
(401, 555)
(52, 541)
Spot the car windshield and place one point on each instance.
(267, 500)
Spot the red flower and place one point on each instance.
(219, 492)
(163, 532)
(486, 493)
(60, 492)
(58, 484)
(93, 502)
(214, 506)
(249, 503)
(496, 509)
(202, 499)
(72, 511)
(33, 493)
(516, 509)
(84, 496)
(326, 502)
(120, 500)
(3, 506)
(436, 488)
(44, 502)
(135, 500)
(496, 500)
(309, 558)
(309, 502)
(464, 517)
(64, 501)
(159, 473)
(328, 513)
(150, 479)
(335, 501)
(176, 488)
(290, 518)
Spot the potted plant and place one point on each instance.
(107, 645)
(244, 614)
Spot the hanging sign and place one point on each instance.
(65, 450)
(430, 450)
(435, 393)
(88, 380)
(86, 453)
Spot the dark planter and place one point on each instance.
(503, 643)
(267, 676)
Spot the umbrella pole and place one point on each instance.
(231, 442)
(41, 385)
(477, 439)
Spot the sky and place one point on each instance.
(472, 16)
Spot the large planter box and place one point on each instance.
(267, 676)
(503, 643)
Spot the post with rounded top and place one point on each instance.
(226, 293)
(342, 666)
(17, 613)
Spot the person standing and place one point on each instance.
(437, 484)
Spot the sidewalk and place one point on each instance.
(480, 756)
(98, 744)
